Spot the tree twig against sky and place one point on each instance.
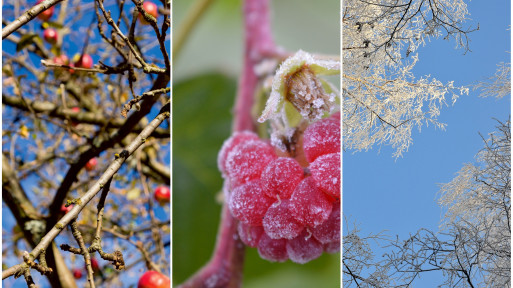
(383, 99)
(478, 202)
(472, 248)
(497, 86)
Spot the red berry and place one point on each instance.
(65, 209)
(46, 14)
(85, 61)
(329, 231)
(250, 235)
(61, 60)
(304, 248)
(50, 35)
(91, 164)
(248, 203)
(283, 214)
(151, 9)
(247, 160)
(326, 172)
(309, 205)
(72, 70)
(154, 279)
(320, 138)
(94, 265)
(278, 222)
(162, 194)
(274, 250)
(229, 144)
(281, 176)
(77, 273)
(74, 124)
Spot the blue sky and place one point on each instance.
(398, 196)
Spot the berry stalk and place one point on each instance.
(259, 43)
(227, 262)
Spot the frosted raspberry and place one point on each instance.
(247, 160)
(279, 223)
(250, 235)
(304, 248)
(326, 172)
(281, 176)
(320, 138)
(248, 203)
(272, 249)
(229, 144)
(308, 204)
(329, 231)
(332, 247)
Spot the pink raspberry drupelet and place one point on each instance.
(320, 138)
(281, 176)
(326, 173)
(279, 223)
(249, 204)
(247, 160)
(309, 205)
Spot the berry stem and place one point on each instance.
(225, 266)
(227, 262)
(259, 43)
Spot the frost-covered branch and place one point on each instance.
(383, 100)
(497, 86)
(472, 248)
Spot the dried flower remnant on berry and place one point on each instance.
(297, 82)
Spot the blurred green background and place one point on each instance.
(204, 87)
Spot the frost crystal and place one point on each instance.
(296, 81)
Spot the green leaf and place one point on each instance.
(202, 114)
(55, 50)
(26, 40)
(55, 25)
(293, 116)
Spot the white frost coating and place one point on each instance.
(277, 141)
(265, 67)
(379, 79)
(274, 105)
(317, 103)
(278, 137)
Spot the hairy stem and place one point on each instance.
(226, 265)
(258, 44)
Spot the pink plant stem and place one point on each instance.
(258, 44)
(225, 267)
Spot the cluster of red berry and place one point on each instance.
(51, 36)
(285, 210)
